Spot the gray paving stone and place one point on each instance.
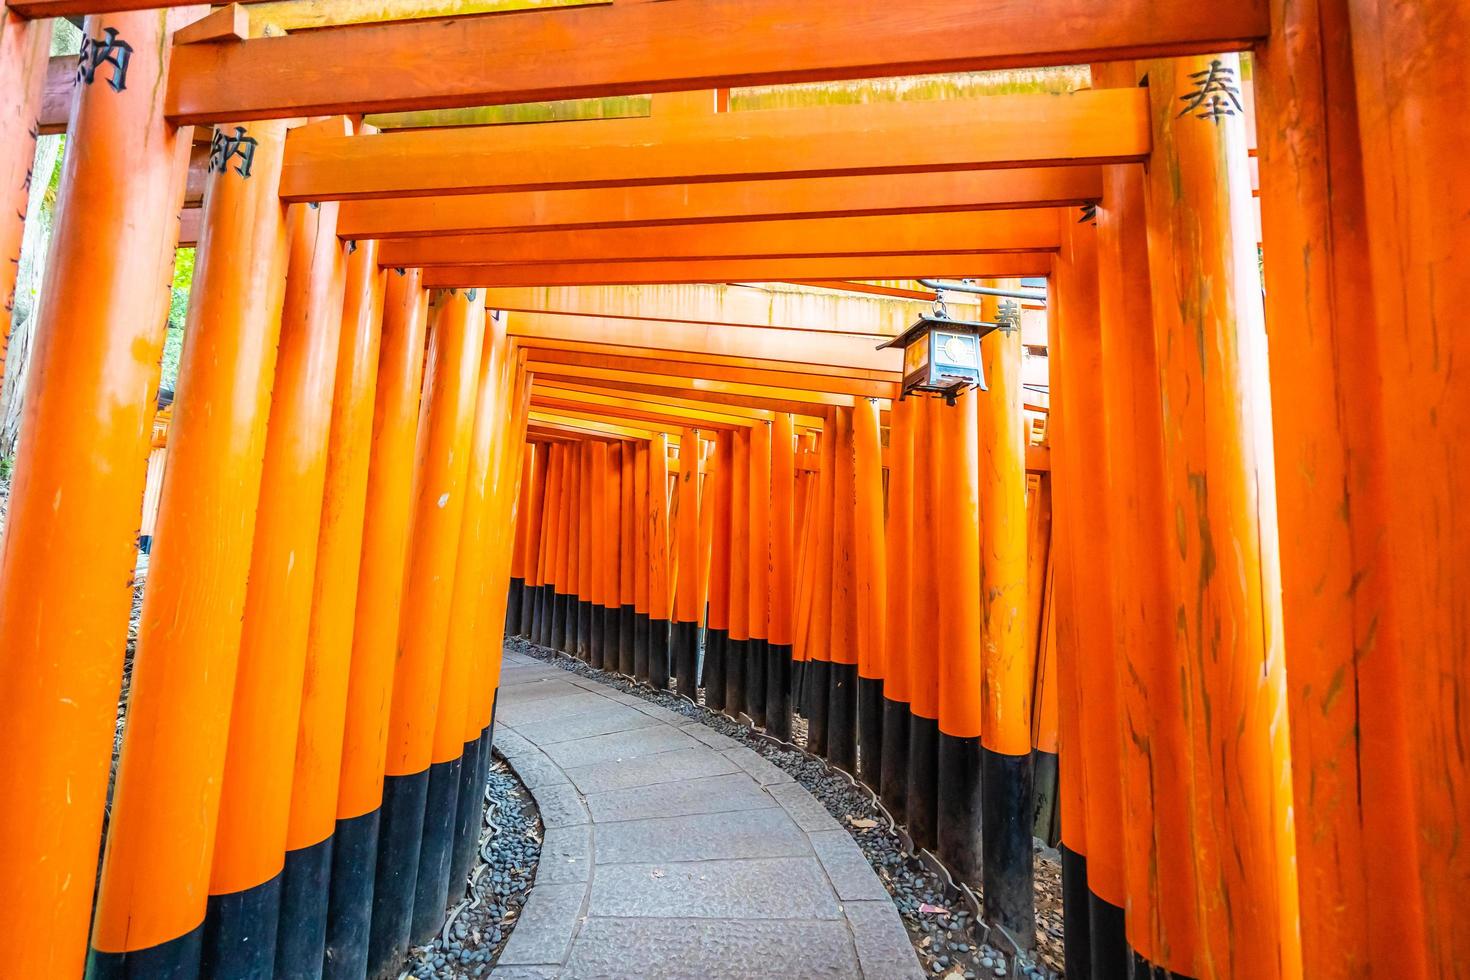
(761, 888)
(518, 715)
(804, 808)
(764, 772)
(716, 794)
(526, 973)
(709, 736)
(847, 868)
(883, 947)
(510, 744)
(543, 933)
(513, 677)
(560, 805)
(701, 837)
(660, 712)
(537, 691)
(566, 855)
(680, 949)
(619, 745)
(613, 718)
(650, 770)
(536, 770)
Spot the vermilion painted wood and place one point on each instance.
(667, 47)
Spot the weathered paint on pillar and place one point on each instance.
(160, 844)
(70, 541)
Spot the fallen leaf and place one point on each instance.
(862, 823)
(927, 909)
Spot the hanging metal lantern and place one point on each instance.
(941, 355)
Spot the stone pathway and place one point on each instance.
(672, 851)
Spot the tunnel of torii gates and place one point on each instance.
(614, 384)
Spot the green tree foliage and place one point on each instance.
(178, 305)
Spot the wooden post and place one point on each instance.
(643, 562)
(843, 627)
(440, 493)
(758, 595)
(564, 625)
(660, 590)
(818, 680)
(532, 517)
(893, 780)
(627, 559)
(782, 586)
(387, 512)
(587, 527)
(1209, 330)
(25, 45)
(613, 525)
(70, 541)
(550, 550)
(737, 645)
(596, 538)
(870, 564)
(718, 628)
(518, 574)
(685, 640)
(964, 461)
(160, 844)
(926, 544)
(245, 884)
(317, 772)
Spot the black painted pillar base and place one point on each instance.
(923, 788)
(658, 654)
(893, 783)
(301, 935)
(642, 630)
(737, 656)
(350, 904)
(960, 807)
(684, 640)
(545, 599)
(715, 680)
(528, 610)
(400, 832)
(240, 933)
(1076, 917)
(755, 680)
(778, 690)
(1110, 952)
(557, 635)
(176, 959)
(513, 607)
(1009, 879)
(818, 694)
(470, 804)
(431, 887)
(842, 716)
(870, 731)
(626, 617)
(584, 630)
(1141, 969)
(596, 637)
(1044, 823)
(611, 617)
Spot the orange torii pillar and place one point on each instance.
(24, 49)
(70, 543)
(466, 631)
(562, 560)
(438, 510)
(758, 594)
(958, 451)
(588, 524)
(155, 876)
(1095, 585)
(737, 638)
(805, 500)
(899, 645)
(572, 529)
(871, 563)
(685, 639)
(550, 534)
(246, 879)
(387, 517)
(817, 681)
(318, 765)
(1044, 723)
(515, 619)
(532, 510)
(782, 589)
(717, 627)
(611, 582)
(643, 560)
(1219, 486)
(1363, 208)
(660, 588)
(843, 645)
(928, 540)
(597, 540)
(1157, 873)
(627, 558)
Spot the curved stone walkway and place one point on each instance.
(672, 851)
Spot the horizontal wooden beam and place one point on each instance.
(662, 399)
(615, 405)
(973, 232)
(1001, 266)
(754, 200)
(805, 412)
(679, 380)
(993, 132)
(633, 48)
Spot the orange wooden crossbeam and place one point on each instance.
(679, 379)
(636, 48)
(993, 132)
(661, 400)
(733, 201)
(630, 383)
(976, 232)
(611, 406)
(1008, 265)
